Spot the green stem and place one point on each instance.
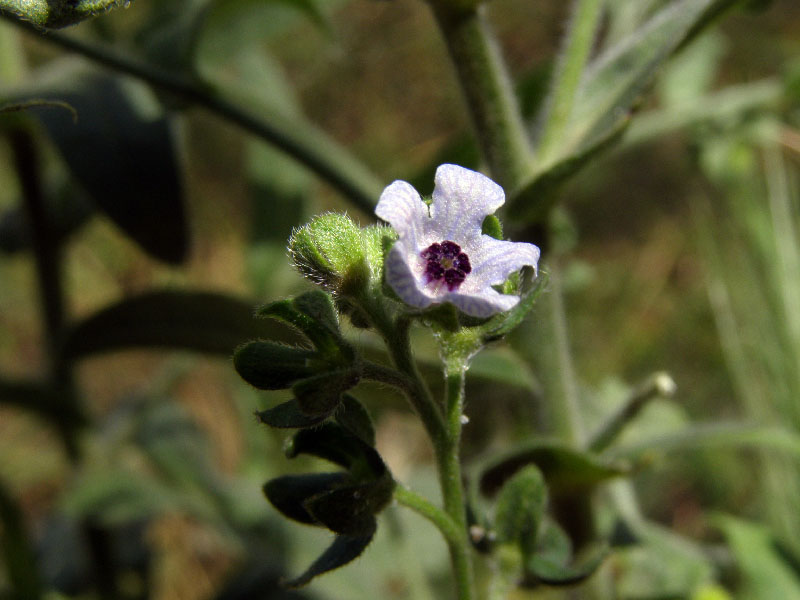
(298, 138)
(449, 463)
(488, 92)
(555, 366)
(575, 55)
(47, 256)
(423, 507)
(444, 431)
(659, 385)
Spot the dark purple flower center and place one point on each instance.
(446, 263)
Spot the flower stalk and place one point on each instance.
(488, 91)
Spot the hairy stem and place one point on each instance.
(488, 92)
(449, 463)
(298, 138)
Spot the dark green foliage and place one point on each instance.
(566, 470)
(123, 155)
(344, 502)
(200, 321)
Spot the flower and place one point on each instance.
(441, 255)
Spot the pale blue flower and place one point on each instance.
(441, 254)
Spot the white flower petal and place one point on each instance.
(485, 304)
(402, 279)
(461, 201)
(494, 260)
(401, 206)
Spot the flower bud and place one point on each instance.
(330, 251)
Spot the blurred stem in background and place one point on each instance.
(299, 138)
(489, 95)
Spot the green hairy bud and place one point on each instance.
(338, 255)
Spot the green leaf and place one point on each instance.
(200, 321)
(17, 552)
(332, 442)
(321, 394)
(289, 493)
(354, 418)
(344, 549)
(567, 471)
(532, 202)
(122, 152)
(715, 435)
(616, 80)
(288, 416)
(764, 573)
(272, 366)
(347, 510)
(520, 508)
(314, 315)
(54, 14)
(502, 324)
(542, 569)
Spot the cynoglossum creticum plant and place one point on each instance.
(442, 263)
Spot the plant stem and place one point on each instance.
(47, 256)
(575, 54)
(444, 431)
(422, 506)
(487, 89)
(449, 463)
(298, 138)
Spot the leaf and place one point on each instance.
(344, 549)
(200, 321)
(272, 366)
(499, 326)
(314, 315)
(616, 80)
(54, 14)
(122, 151)
(520, 508)
(288, 416)
(541, 569)
(354, 418)
(567, 471)
(533, 200)
(289, 493)
(332, 442)
(346, 510)
(321, 394)
(764, 574)
(722, 435)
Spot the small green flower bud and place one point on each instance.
(330, 252)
